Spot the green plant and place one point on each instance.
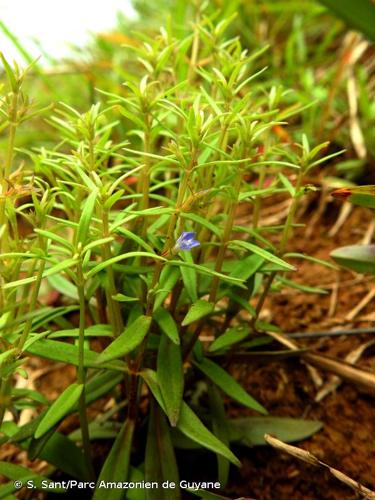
(139, 236)
(360, 258)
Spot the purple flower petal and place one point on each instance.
(186, 241)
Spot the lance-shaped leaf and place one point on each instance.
(57, 268)
(116, 466)
(229, 337)
(65, 353)
(59, 408)
(22, 474)
(198, 310)
(221, 431)
(227, 383)
(189, 277)
(364, 196)
(170, 377)
(131, 337)
(168, 279)
(59, 450)
(84, 221)
(262, 253)
(250, 431)
(167, 324)
(188, 423)
(160, 460)
(360, 258)
(37, 445)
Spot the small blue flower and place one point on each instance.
(186, 241)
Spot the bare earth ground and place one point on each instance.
(286, 388)
(347, 440)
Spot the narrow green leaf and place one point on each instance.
(301, 287)
(170, 377)
(150, 377)
(4, 356)
(120, 297)
(250, 431)
(59, 408)
(59, 351)
(229, 337)
(221, 431)
(189, 277)
(63, 286)
(360, 258)
(65, 455)
(101, 384)
(198, 310)
(85, 219)
(310, 258)
(263, 253)
(22, 474)
(116, 466)
(30, 394)
(129, 235)
(136, 475)
(8, 70)
(287, 184)
(131, 337)
(167, 324)
(160, 460)
(55, 237)
(227, 383)
(247, 267)
(207, 272)
(168, 278)
(57, 268)
(91, 331)
(190, 425)
(364, 196)
(362, 199)
(37, 444)
(204, 222)
(117, 258)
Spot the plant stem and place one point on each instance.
(219, 259)
(284, 240)
(226, 236)
(132, 408)
(81, 372)
(4, 391)
(114, 309)
(4, 183)
(258, 199)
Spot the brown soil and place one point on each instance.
(286, 388)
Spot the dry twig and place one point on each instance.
(363, 303)
(363, 378)
(335, 381)
(311, 459)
